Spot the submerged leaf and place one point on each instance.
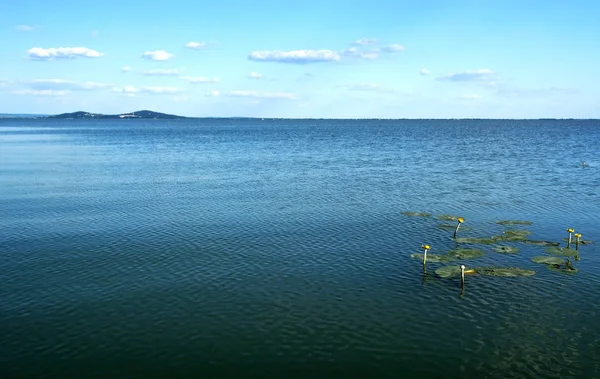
(505, 249)
(433, 257)
(473, 240)
(542, 243)
(466, 253)
(504, 271)
(514, 222)
(420, 214)
(581, 242)
(548, 260)
(561, 251)
(448, 271)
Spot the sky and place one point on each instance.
(303, 59)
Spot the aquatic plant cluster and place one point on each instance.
(559, 258)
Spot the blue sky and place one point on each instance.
(303, 59)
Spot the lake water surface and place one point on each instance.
(277, 248)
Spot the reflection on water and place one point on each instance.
(248, 248)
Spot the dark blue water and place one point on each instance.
(277, 248)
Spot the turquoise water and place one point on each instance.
(277, 248)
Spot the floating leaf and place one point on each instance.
(453, 226)
(420, 214)
(514, 222)
(542, 243)
(473, 240)
(504, 271)
(448, 218)
(433, 257)
(548, 260)
(517, 232)
(448, 271)
(505, 249)
(466, 253)
(567, 269)
(561, 251)
(510, 238)
(581, 242)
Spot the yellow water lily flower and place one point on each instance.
(570, 230)
(426, 247)
(578, 235)
(461, 220)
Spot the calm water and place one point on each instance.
(276, 248)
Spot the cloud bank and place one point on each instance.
(38, 53)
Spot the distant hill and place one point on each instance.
(137, 114)
(21, 115)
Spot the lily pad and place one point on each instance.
(517, 232)
(514, 222)
(453, 226)
(581, 242)
(419, 214)
(505, 249)
(448, 218)
(542, 243)
(473, 240)
(433, 257)
(563, 268)
(448, 271)
(561, 251)
(510, 238)
(504, 271)
(466, 253)
(548, 260)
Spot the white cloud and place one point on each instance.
(424, 72)
(393, 48)
(255, 75)
(366, 87)
(197, 45)
(127, 90)
(157, 55)
(161, 90)
(4, 82)
(472, 96)
(125, 69)
(40, 92)
(64, 85)
(483, 74)
(254, 94)
(200, 79)
(294, 56)
(365, 42)
(356, 53)
(167, 72)
(39, 53)
(26, 28)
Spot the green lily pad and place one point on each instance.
(448, 271)
(542, 243)
(466, 253)
(448, 218)
(517, 232)
(504, 271)
(505, 249)
(510, 238)
(581, 242)
(453, 226)
(514, 222)
(473, 240)
(548, 260)
(563, 268)
(419, 214)
(561, 251)
(433, 257)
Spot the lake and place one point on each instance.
(249, 248)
